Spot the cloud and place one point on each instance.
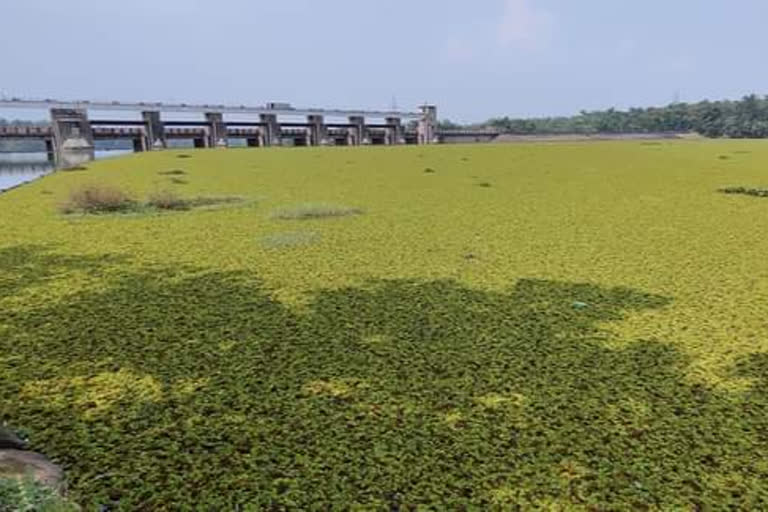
(524, 26)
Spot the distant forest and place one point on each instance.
(745, 118)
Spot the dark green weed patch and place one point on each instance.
(756, 192)
(308, 211)
(200, 389)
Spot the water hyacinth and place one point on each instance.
(587, 334)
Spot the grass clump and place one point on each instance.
(102, 199)
(168, 200)
(755, 192)
(95, 199)
(173, 172)
(179, 181)
(315, 211)
(204, 201)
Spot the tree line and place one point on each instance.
(744, 118)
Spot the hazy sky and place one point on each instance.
(474, 59)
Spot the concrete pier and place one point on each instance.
(271, 129)
(358, 130)
(155, 131)
(396, 132)
(72, 136)
(318, 132)
(217, 135)
(139, 144)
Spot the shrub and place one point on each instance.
(167, 200)
(315, 211)
(98, 199)
(756, 192)
(202, 201)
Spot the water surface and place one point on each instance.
(18, 168)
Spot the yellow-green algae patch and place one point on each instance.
(589, 332)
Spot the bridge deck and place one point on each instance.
(183, 107)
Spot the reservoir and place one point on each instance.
(18, 168)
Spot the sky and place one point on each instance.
(473, 59)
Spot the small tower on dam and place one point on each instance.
(427, 129)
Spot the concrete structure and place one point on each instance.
(358, 131)
(72, 131)
(318, 133)
(155, 130)
(271, 132)
(466, 136)
(73, 141)
(427, 130)
(396, 135)
(217, 130)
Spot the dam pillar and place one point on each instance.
(318, 132)
(427, 130)
(359, 131)
(217, 130)
(395, 130)
(139, 144)
(72, 136)
(50, 150)
(155, 131)
(271, 129)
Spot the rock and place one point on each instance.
(580, 305)
(9, 439)
(18, 464)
